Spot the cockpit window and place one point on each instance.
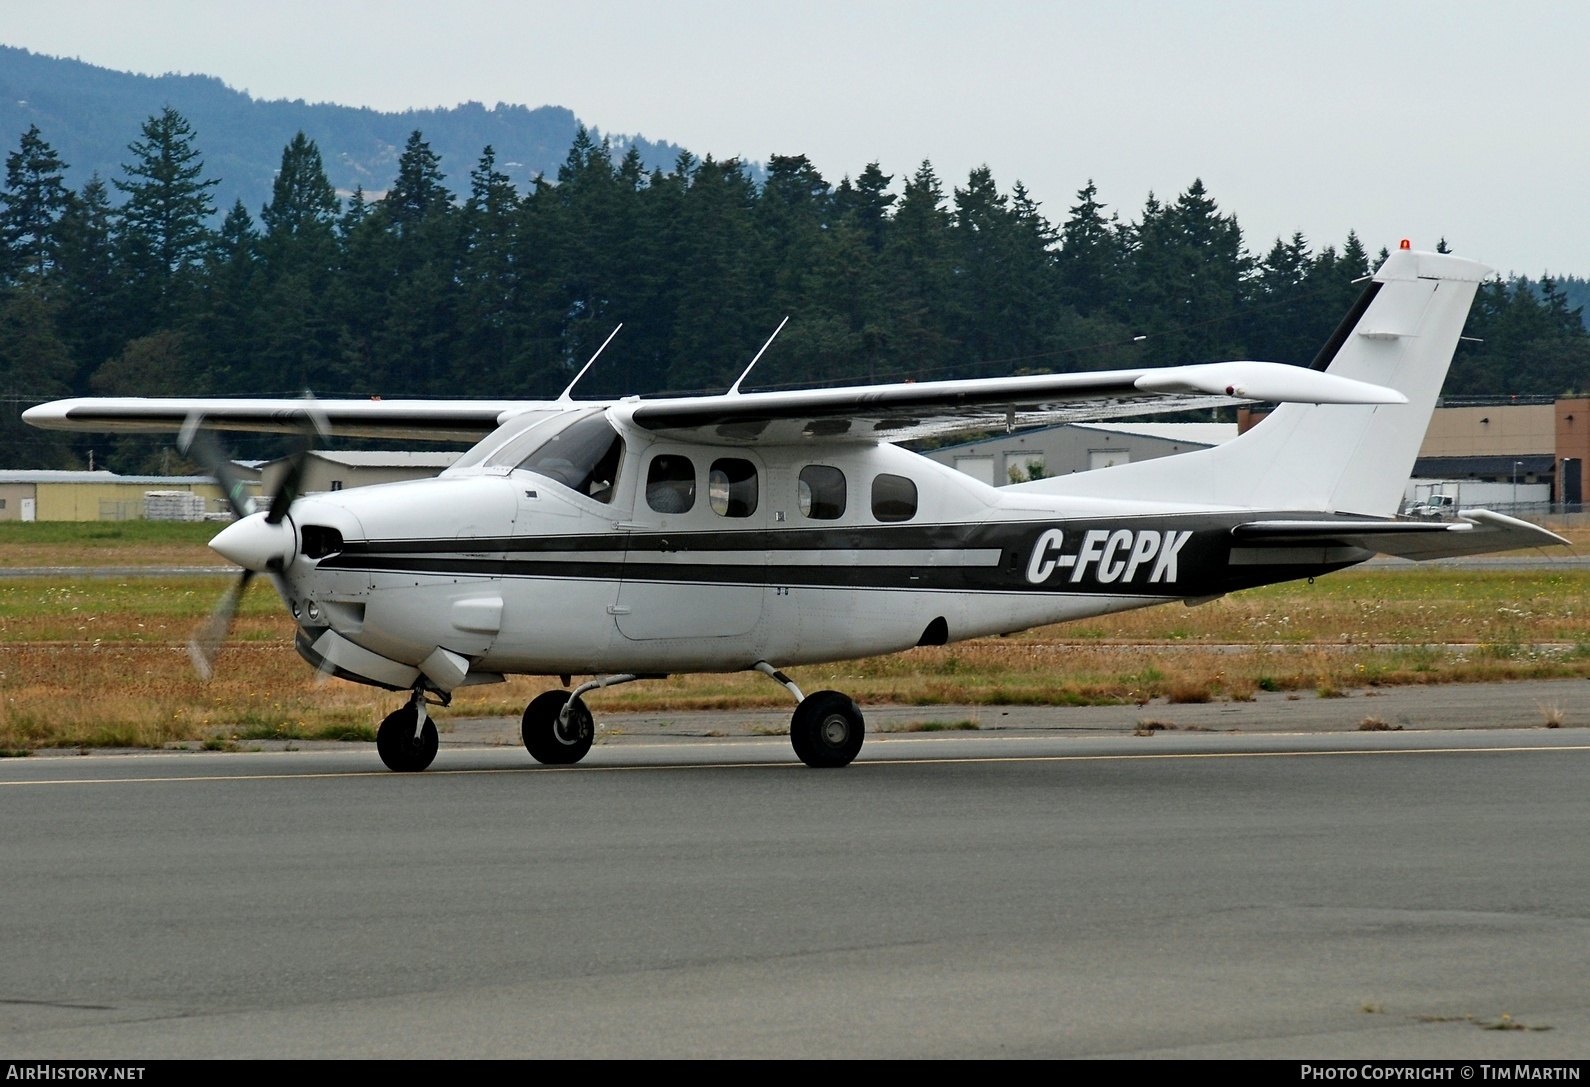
(510, 433)
(584, 456)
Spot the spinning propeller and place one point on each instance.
(257, 542)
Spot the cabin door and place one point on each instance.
(696, 561)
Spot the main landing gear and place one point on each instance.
(557, 727)
(826, 731)
(827, 728)
(407, 739)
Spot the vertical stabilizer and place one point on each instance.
(1342, 458)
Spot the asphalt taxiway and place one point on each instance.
(1357, 894)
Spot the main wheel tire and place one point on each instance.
(400, 749)
(827, 729)
(549, 744)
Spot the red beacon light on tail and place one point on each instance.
(1406, 244)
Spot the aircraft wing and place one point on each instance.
(434, 420)
(1476, 533)
(898, 412)
(893, 413)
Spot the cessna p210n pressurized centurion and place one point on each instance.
(633, 539)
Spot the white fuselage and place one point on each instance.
(516, 573)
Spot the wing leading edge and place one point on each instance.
(892, 413)
(434, 420)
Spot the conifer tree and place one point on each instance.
(165, 219)
(418, 192)
(88, 280)
(488, 270)
(869, 201)
(34, 199)
(301, 217)
(918, 271)
(1091, 253)
(229, 330)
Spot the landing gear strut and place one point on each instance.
(827, 729)
(407, 739)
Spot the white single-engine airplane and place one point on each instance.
(637, 538)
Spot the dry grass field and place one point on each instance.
(101, 661)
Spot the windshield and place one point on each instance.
(515, 427)
(584, 456)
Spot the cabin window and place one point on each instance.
(671, 484)
(731, 487)
(584, 457)
(893, 498)
(822, 492)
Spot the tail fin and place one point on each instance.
(1339, 458)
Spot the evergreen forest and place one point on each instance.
(495, 286)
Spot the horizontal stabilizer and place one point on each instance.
(1267, 381)
(1478, 532)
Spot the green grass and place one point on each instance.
(107, 533)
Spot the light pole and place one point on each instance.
(1516, 465)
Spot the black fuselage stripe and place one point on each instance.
(1202, 563)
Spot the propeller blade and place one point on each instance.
(200, 444)
(287, 490)
(324, 672)
(315, 427)
(211, 635)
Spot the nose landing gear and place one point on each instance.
(407, 739)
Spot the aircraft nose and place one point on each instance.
(256, 544)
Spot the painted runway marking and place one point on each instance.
(926, 761)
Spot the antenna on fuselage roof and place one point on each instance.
(565, 397)
(734, 390)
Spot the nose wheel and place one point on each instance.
(554, 736)
(407, 740)
(827, 729)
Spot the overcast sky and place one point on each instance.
(1420, 120)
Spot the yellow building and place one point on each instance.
(94, 496)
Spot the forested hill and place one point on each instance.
(91, 114)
